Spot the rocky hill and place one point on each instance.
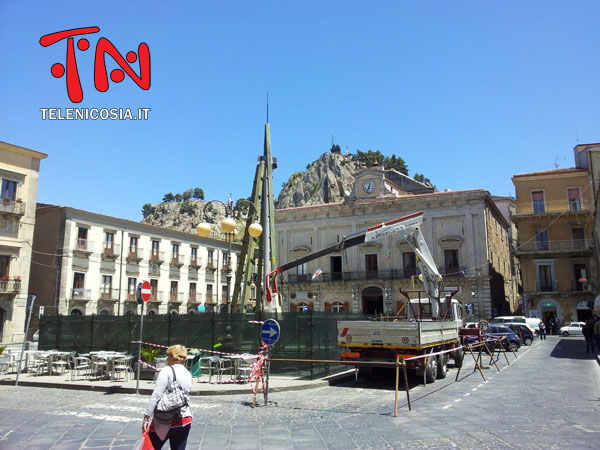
(327, 180)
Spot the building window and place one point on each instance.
(302, 307)
(133, 245)
(192, 292)
(131, 288)
(451, 261)
(82, 238)
(541, 239)
(173, 292)
(76, 312)
(574, 199)
(224, 294)
(209, 293)
(154, 288)
(301, 272)
(9, 190)
(194, 257)
(106, 284)
(155, 247)
(409, 264)
(580, 273)
(225, 261)
(211, 254)
(537, 198)
(337, 307)
(175, 252)
(335, 265)
(578, 237)
(545, 278)
(371, 265)
(4, 265)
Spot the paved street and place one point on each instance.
(548, 398)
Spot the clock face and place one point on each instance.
(368, 186)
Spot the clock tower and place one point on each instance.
(368, 183)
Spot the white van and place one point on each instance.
(533, 322)
(504, 319)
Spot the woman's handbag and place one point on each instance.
(173, 399)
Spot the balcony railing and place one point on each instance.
(195, 262)
(83, 245)
(135, 254)
(131, 297)
(351, 276)
(210, 264)
(549, 207)
(176, 297)
(157, 257)
(12, 207)
(555, 246)
(109, 294)
(211, 299)
(10, 286)
(195, 297)
(157, 296)
(177, 260)
(110, 250)
(81, 294)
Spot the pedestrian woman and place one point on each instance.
(177, 429)
(588, 334)
(542, 330)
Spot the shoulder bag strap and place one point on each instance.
(174, 376)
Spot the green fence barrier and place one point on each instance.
(309, 335)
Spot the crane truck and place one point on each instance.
(425, 325)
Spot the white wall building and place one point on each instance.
(19, 173)
(88, 263)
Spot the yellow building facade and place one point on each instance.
(555, 222)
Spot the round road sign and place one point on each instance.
(484, 325)
(146, 291)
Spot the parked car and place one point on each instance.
(525, 333)
(534, 323)
(497, 331)
(511, 319)
(574, 329)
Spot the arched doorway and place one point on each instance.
(372, 301)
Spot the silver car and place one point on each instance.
(573, 329)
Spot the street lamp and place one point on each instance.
(215, 209)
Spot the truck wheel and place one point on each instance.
(442, 366)
(431, 370)
(458, 357)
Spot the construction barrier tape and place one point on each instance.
(196, 349)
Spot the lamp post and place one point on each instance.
(213, 210)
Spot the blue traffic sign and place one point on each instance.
(269, 332)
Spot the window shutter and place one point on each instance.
(327, 306)
(293, 308)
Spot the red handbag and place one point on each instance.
(144, 442)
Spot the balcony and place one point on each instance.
(81, 295)
(12, 207)
(110, 251)
(157, 257)
(177, 261)
(154, 269)
(135, 255)
(210, 299)
(109, 295)
(353, 276)
(131, 298)
(176, 297)
(8, 286)
(551, 208)
(581, 247)
(210, 264)
(156, 297)
(195, 297)
(83, 247)
(195, 262)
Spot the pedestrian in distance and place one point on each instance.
(177, 429)
(542, 330)
(588, 334)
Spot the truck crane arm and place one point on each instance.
(408, 227)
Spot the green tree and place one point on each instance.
(147, 209)
(198, 194)
(421, 178)
(369, 158)
(396, 163)
(335, 149)
(178, 197)
(168, 197)
(188, 194)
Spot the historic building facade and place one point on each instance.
(19, 174)
(555, 219)
(465, 231)
(88, 263)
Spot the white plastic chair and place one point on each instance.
(80, 364)
(122, 365)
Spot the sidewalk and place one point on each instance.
(200, 385)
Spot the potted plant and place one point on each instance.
(148, 355)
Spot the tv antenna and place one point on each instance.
(556, 159)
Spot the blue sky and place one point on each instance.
(469, 93)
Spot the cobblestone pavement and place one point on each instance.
(548, 398)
